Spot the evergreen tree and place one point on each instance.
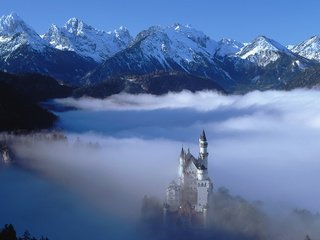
(8, 233)
(307, 237)
(26, 236)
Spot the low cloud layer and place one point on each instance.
(200, 101)
(262, 146)
(112, 174)
(124, 101)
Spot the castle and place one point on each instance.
(188, 196)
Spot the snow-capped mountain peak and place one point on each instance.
(118, 32)
(262, 51)
(178, 27)
(176, 44)
(227, 46)
(309, 48)
(87, 41)
(193, 34)
(13, 24)
(14, 32)
(123, 35)
(77, 27)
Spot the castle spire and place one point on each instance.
(203, 136)
(182, 152)
(203, 145)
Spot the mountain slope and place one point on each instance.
(17, 112)
(78, 54)
(14, 33)
(87, 41)
(35, 87)
(157, 83)
(227, 47)
(307, 79)
(262, 51)
(309, 48)
(22, 50)
(175, 48)
(264, 64)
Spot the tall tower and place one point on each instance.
(203, 145)
(181, 163)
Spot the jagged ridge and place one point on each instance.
(78, 54)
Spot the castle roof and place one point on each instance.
(203, 136)
(189, 158)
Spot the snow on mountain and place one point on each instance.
(290, 46)
(227, 46)
(22, 50)
(176, 48)
(77, 53)
(182, 44)
(309, 48)
(87, 41)
(262, 51)
(14, 33)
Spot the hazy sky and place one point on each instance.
(286, 21)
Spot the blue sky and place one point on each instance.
(285, 21)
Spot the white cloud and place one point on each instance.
(108, 175)
(262, 145)
(202, 101)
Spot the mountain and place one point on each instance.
(79, 55)
(156, 83)
(310, 78)
(22, 50)
(263, 51)
(176, 48)
(264, 64)
(19, 101)
(87, 41)
(309, 48)
(14, 33)
(227, 46)
(35, 87)
(17, 112)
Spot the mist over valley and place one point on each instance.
(262, 147)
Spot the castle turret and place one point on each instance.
(201, 174)
(181, 162)
(203, 145)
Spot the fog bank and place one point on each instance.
(262, 146)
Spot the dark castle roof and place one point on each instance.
(203, 136)
(189, 158)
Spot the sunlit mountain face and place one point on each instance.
(102, 63)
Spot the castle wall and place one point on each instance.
(173, 197)
(203, 191)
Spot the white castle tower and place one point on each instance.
(193, 186)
